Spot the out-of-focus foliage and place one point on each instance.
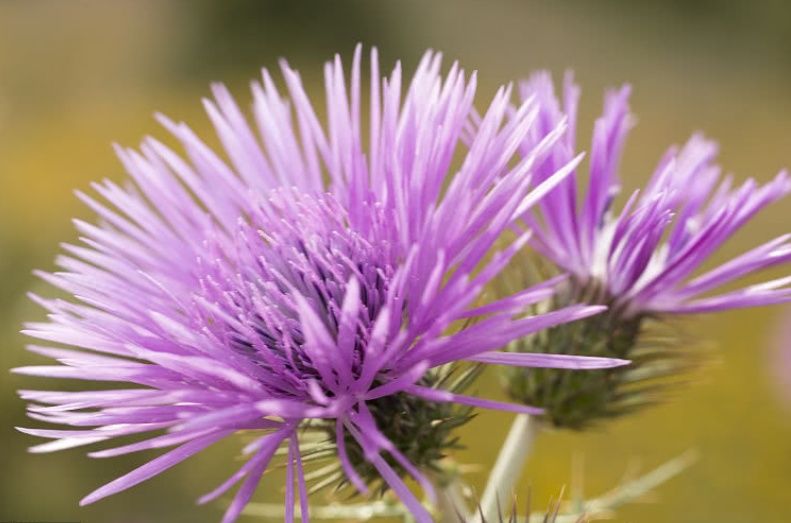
(75, 76)
(246, 35)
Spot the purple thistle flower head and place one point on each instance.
(642, 261)
(301, 281)
(644, 258)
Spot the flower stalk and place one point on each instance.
(508, 467)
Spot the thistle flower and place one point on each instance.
(643, 260)
(307, 282)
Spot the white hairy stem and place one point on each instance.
(508, 467)
(451, 504)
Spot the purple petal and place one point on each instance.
(444, 396)
(154, 467)
(548, 361)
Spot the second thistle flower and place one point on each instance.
(642, 259)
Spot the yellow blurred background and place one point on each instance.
(76, 76)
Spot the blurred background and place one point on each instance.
(76, 76)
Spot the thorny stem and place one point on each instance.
(632, 490)
(603, 506)
(451, 504)
(359, 511)
(509, 464)
(596, 508)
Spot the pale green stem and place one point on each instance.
(451, 503)
(603, 506)
(632, 490)
(508, 467)
(359, 512)
(597, 508)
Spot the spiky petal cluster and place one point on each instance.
(642, 260)
(645, 257)
(302, 280)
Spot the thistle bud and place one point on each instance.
(645, 258)
(578, 399)
(422, 431)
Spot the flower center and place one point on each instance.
(293, 247)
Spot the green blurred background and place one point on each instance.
(75, 76)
